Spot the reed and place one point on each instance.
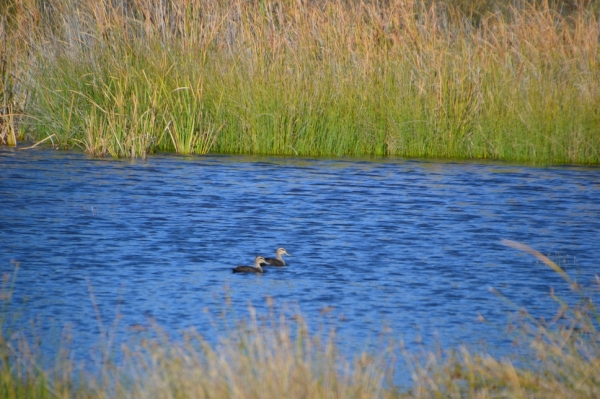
(12, 94)
(516, 81)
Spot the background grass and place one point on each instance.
(482, 79)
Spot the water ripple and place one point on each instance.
(410, 245)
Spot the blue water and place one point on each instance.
(405, 247)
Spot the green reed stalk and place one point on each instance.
(12, 95)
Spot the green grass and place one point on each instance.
(514, 81)
(271, 356)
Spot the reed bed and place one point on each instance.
(514, 81)
(274, 356)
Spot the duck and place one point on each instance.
(251, 269)
(278, 260)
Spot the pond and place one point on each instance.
(409, 248)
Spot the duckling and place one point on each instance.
(251, 269)
(278, 260)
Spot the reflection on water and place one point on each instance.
(405, 245)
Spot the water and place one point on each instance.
(409, 247)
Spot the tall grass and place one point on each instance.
(517, 81)
(11, 77)
(271, 356)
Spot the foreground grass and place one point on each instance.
(274, 357)
(516, 81)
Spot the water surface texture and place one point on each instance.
(406, 246)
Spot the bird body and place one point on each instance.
(278, 260)
(251, 269)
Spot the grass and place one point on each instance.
(271, 356)
(515, 81)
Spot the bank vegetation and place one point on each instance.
(485, 79)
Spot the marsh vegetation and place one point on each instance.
(504, 80)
